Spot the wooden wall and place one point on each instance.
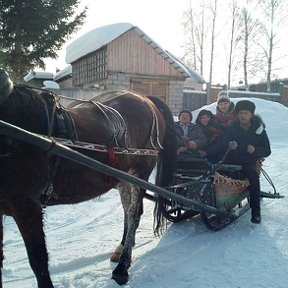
(131, 54)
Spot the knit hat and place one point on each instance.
(186, 111)
(245, 105)
(223, 96)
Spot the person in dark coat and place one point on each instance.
(211, 129)
(248, 142)
(190, 137)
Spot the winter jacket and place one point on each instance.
(212, 133)
(213, 130)
(226, 119)
(255, 135)
(194, 133)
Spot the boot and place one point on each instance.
(256, 216)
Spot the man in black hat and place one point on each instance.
(189, 135)
(249, 142)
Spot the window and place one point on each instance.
(90, 68)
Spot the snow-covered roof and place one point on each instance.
(93, 40)
(192, 73)
(101, 36)
(38, 75)
(67, 71)
(48, 84)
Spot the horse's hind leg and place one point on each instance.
(116, 254)
(29, 218)
(125, 193)
(131, 198)
(1, 247)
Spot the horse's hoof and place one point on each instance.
(115, 257)
(120, 279)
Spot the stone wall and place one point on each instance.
(122, 82)
(116, 81)
(175, 101)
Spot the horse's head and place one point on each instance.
(6, 85)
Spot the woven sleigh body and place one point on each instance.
(228, 191)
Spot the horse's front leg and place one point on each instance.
(1, 247)
(29, 217)
(131, 198)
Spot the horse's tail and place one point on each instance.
(166, 165)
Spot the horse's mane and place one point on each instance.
(25, 94)
(25, 104)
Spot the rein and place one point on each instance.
(155, 127)
(103, 148)
(102, 107)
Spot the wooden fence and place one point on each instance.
(193, 100)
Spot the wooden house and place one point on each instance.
(122, 56)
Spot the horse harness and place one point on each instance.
(154, 128)
(60, 124)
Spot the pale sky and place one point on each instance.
(161, 20)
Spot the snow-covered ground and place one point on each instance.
(80, 239)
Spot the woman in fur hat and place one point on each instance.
(211, 129)
(225, 113)
(207, 122)
(248, 142)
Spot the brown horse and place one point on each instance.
(32, 178)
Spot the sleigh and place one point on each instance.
(218, 193)
(222, 187)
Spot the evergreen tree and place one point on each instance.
(33, 30)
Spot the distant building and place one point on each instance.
(122, 56)
(64, 77)
(36, 79)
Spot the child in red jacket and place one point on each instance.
(225, 113)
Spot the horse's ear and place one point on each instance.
(6, 85)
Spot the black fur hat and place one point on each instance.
(245, 105)
(186, 111)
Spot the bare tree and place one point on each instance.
(252, 61)
(247, 31)
(234, 31)
(200, 25)
(190, 46)
(274, 16)
(250, 38)
(213, 9)
(194, 27)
